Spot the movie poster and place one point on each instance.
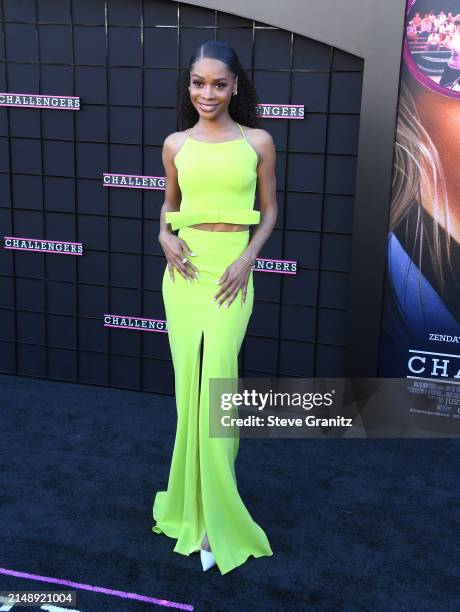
(420, 339)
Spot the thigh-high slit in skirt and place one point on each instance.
(202, 494)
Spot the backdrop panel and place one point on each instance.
(122, 61)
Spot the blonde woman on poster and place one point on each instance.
(423, 265)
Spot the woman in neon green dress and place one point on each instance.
(212, 170)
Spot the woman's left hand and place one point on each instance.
(235, 277)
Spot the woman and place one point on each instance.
(425, 27)
(212, 170)
(417, 20)
(434, 41)
(452, 67)
(411, 32)
(423, 261)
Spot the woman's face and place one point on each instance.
(211, 87)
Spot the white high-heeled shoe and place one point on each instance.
(207, 559)
(206, 556)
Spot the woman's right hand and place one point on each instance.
(176, 251)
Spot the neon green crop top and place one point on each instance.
(217, 181)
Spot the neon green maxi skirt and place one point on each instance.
(202, 494)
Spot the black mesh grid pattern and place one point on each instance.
(123, 58)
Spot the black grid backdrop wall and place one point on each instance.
(122, 58)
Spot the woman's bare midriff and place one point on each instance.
(221, 227)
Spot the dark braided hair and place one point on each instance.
(242, 107)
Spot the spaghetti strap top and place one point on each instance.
(217, 182)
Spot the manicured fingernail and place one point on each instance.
(226, 305)
(214, 299)
(188, 280)
(192, 253)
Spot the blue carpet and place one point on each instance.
(354, 524)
